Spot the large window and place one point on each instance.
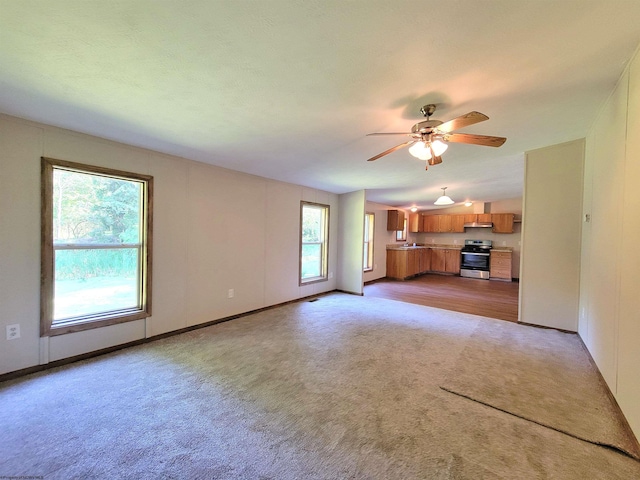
(96, 238)
(314, 236)
(368, 241)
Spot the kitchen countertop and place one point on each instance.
(431, 245)
(440, 245)
(502, 249)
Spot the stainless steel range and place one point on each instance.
(474, 259)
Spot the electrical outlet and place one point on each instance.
(13, 331)
(231, 293)
(330, 274)
(504, 243)
(375, 265)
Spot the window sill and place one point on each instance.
(312, 280)
(82, 324)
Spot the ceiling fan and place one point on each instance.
(430, 137)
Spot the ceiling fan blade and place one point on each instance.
(474, 139)
(462, 121)
(392, 133)
(391, 150)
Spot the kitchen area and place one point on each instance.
(480, 242)
(457, 258)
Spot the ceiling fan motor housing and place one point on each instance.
(426, 126)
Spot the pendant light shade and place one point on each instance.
(443, 199)
(421, 149)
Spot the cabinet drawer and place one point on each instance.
(500, 262)
(500, 254)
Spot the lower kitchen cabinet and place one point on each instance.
(445, 260)
(438, 260)
(405, 263)
(452, 261)
(425, 259)
(500, 266)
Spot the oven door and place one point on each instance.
(474, 261)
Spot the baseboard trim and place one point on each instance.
(96, 353)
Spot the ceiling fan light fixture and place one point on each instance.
(444, 199)
(414, 209)
(421, 149)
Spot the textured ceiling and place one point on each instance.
(289, 89)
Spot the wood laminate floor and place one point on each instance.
(488, 298)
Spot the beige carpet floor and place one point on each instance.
(541, 375)
(344, 387)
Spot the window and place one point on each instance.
(314, 235)
(401, 235)
(96, 238)
(369, 219)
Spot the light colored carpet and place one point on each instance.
(344, 387)
(541, 375)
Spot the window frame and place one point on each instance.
(324, 269)
(48, 326)
(401, 235)
(369, 218)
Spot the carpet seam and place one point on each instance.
(593, 442)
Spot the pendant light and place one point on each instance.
(443, 199)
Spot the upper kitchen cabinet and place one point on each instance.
(395, 220)
(457, 223)
(443, 223)
(415, 223)
(502, 222)
(484, 218)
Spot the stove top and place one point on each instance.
(476, 245)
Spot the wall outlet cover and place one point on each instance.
(13, 331)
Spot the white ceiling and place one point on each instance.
(288, 89)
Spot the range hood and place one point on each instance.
(479, 208)
(478, 225)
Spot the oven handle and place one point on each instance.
(473, 253)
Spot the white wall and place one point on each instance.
(609, 321)
(551, 234)
(214, 229)
(351, 242)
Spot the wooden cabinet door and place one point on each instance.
(425, 260)
(438, 259)
(413, 262)
(502, 222)
(484, 217)
(457, 223)
(430, 223)
(444, 223)
(415, 223)
(395, 220)
(396, 264)
(470, 218)
(452, 261)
